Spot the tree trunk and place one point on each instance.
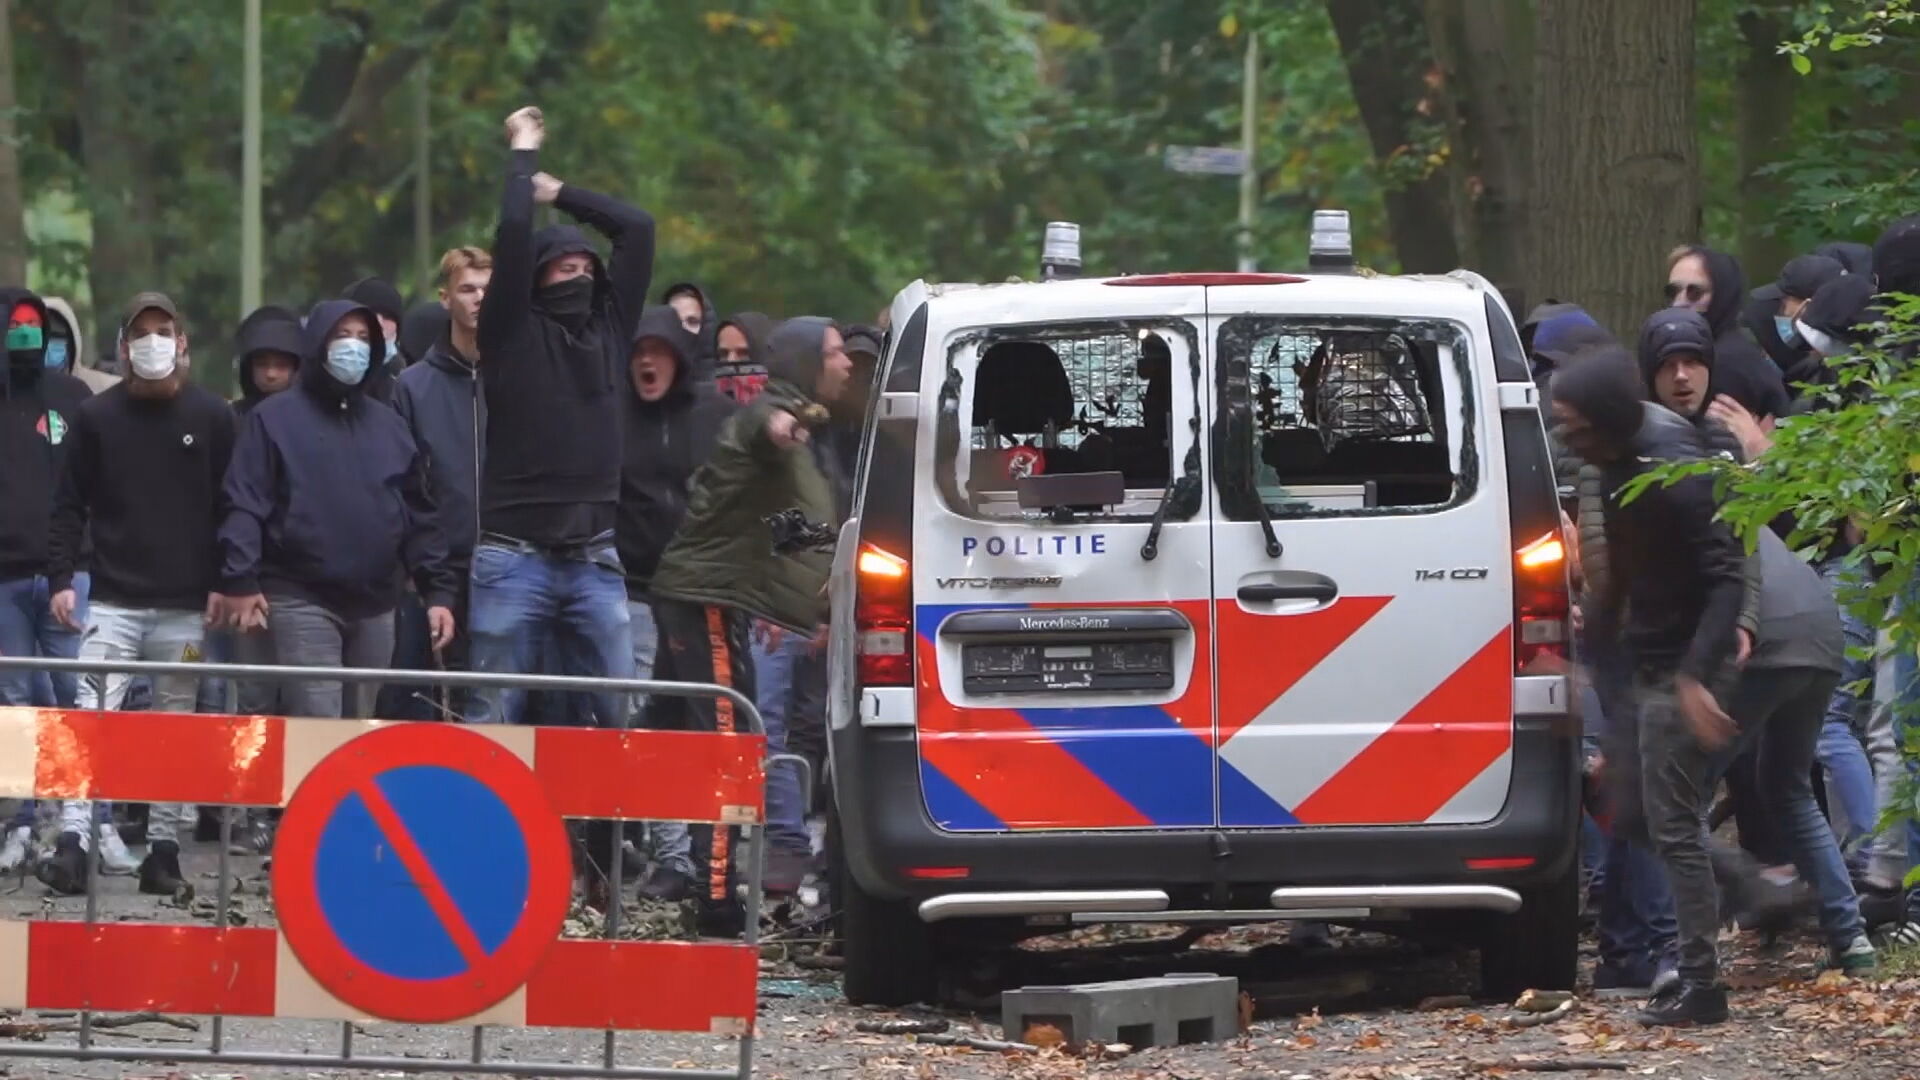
(1616, 183)
(1485, 52)
(1384, 44)
(1764, 87)
(13, 225)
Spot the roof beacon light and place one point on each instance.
(1060, 251)
(1331, 245)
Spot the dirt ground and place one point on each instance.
(1363, 1008)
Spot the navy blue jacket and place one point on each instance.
(327, 495)
(440, 400)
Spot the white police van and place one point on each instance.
(1202, 598)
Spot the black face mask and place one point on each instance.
(569, 300)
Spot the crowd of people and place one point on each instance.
(1704, 662)
(538, 472)
(436, 488)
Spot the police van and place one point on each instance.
(1202, 598)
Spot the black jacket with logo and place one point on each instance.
(37, 409)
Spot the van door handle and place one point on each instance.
(1319, 591)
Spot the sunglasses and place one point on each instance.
(1695, 292)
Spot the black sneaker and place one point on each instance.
(66, 870)
(160, 872)
(667, 884)
(1686, 1005)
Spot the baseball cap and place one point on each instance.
(148, 301)
(1804, 274)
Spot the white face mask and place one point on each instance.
(1816, 340)
(153, 356)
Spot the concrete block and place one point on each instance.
(1165, 1011)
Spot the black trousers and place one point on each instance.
(703, 643)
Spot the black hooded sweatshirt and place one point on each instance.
(268, 329)
(36, 415)
(743, 382)
(1741, 371)
(665, 443)
(704, 346)
(1676, 572)
(440, 400)
(144, 475)
(1800, 278)
(327, 495)
(552, 382)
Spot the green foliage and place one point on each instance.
(1837, 27)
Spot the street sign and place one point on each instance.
(1209, 160)
(420, 873)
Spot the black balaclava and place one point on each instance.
(569, 303)
(1603, 385)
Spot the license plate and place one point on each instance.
(1112, 665)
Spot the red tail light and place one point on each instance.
(883, 617)
(1541, 607)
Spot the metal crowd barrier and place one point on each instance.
(363, 864)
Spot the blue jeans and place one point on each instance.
(669, 842)
(779, 671)
(1636, 926)
(28, 628)
(1840, 752)
(522, 600)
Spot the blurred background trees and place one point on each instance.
(815, 157)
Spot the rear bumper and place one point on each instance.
(886, 833)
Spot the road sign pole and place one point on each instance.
(1249, 174)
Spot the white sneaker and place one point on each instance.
(17, 850)
(115, 859)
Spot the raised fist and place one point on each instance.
(526, 129)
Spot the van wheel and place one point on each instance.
(1537, 947)
(887, 951)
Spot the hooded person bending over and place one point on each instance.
(554, 331)
(327, 510)
(724, 568)
(1673, 597)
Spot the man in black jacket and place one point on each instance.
(142, 477)
(440, 400)
(1678, 575)
(674, 414)
(554, 330)
(327, 508)
(37, 408)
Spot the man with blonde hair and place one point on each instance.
(440, 399)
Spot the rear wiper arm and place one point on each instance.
(1266, 524)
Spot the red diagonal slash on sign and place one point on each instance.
(414, 861)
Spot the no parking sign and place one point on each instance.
(420, 873)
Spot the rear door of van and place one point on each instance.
(1362, 565)
(1061, 593)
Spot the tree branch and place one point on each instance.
(315, 165)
